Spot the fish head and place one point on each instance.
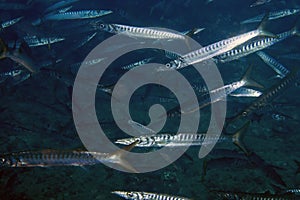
(127, 141)
(127, 195)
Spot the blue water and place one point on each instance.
(36, 114)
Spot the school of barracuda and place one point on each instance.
(44, 45)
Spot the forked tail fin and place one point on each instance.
(262, 26)
(237, 138)
(122, 161)
(248, 81)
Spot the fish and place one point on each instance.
(34, 41)
(140, 32)
(74, 67)
(193, 31)
(136, 195)
(18, 56)
(221, 93)
(10, 22)
(266, 98)
(137, 64)
(281, 70)
(253, 196)
(60, 4)
(12, 73)
(184, 139)
(54, 158)
(81, 14)
(245, 92)
(255, 45)
(259, 2)
(272, 15)
(217, 48)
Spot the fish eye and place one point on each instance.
(102, 25)
(168, 65)
(245, 114)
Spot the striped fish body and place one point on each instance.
(272, 15)
(245, 92)
(140, 32)
(252, 47)
(136, 64)
(253, 196)
(178, 140)
(274, 64)
(82, 14)
(10, 22)
(60, 4)
(214, 49)
(52, 158)
(146, 196)
(34, 41)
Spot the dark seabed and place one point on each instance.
(36, 105)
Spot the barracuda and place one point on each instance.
(281, 70)
(245, 92)
(183, 139)
(10, 22)
(266, 98)
(34, 41)
(82, 14)
(141, 32)
(60, 4)
(137, 64)
(255, 46)
(272, 15)
(146, 196)
(217, 48)
(253, 196)
(52, 158)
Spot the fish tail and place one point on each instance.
(3, 49)
(262, 26)
(237, 138)
(123, 162)
(295, 30)
(250, 82)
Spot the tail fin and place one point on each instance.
(250, 82)
(262, 26)
(3, 49)
(295, 30)
(123, 162)
(237, 138)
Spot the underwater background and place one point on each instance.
(36, 113)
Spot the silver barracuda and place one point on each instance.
(59, 5)
(34, 41)
(81, 14)
(222, 92)
(52, 158)
(10, 22)
(135, 195)
(245, 92)
(253, 196)
(183, 139)
(259, 2)
(267, 97)
(217, 48)
(281, 70)
(136, 64)
(254, 46)
(141, 32)
(272, 15)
